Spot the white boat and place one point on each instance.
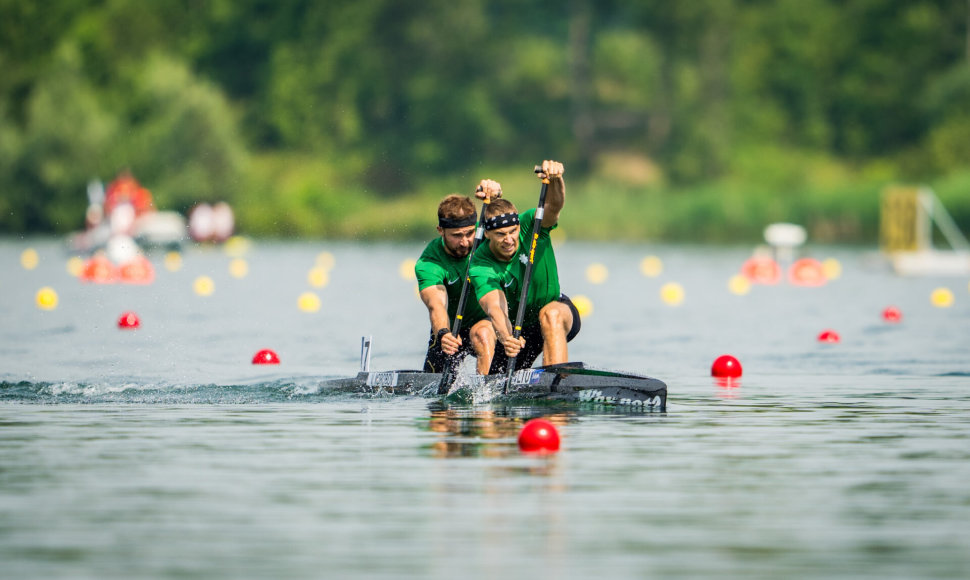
(906, 234)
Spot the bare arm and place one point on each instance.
(496, 307)
(555, 194)
(436, 299)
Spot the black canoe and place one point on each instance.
(572, 381)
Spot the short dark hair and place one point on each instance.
(498, 207)
(456, 207)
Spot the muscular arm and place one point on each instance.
(496, 307)
(436, 299)
(555, 193)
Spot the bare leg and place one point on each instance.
(555, 320)
(483, 344)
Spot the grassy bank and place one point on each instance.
(294, 196)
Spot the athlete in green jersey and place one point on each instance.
(441, 272)
(498, 267)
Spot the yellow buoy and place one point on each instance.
(75, 265)
(46, 298)
(326, 260)
(651, 266)
(739, 285)
(558, 237)
(308, 302)
(29, 259)
(583, 305)
(236, 246)
(942, 298)
(173, 261)
(406, 269)
(204, 286)
(238, 268)
(832, 268)
(597, 273)
(672, 293)
(318, 277)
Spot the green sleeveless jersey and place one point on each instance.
(490, 273)
(437, 267)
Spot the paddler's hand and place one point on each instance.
(450, 343)
(552, 170)
(513, 345)
(489, 188)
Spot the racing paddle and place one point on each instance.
(527, 277)
(445, 383)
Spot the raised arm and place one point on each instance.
(555, 194)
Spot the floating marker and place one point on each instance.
(942, 298)
(236, 246)
(651, 266)
(539, 436)
(204, 286)
(129, 321)
(308, 302)
(46, 298)
(726, 366)
(406, 269)
(597, 273)
(318, 277)
(892, 314)
(29, 259)
(762, 270)
(326, 260)
(266, 357)
(739, 285)
(583, 305)
(173, 261)
(238, 268)
(99, 270)
(75, 265)
(807, 272)
(138, 270)
(832, 268)
(829, 336)
(672, 293)
(557, 237)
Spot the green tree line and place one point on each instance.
(698, 120)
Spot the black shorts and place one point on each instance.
(533, 343)
(436, 359)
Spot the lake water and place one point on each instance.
(162, 452)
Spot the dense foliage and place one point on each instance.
(306, 115)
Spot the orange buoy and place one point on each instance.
(807, 272)
(99, 270)
(138, 270)
(761, 270)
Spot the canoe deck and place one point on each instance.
(572, 381)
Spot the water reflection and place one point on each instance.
(727, 387)
(489, 431)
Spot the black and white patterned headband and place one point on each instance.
(501, 221)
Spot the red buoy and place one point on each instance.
(892, 314)
(726, 366)
(266, 357)
(129, 321)
(539, 436)
(829, 336)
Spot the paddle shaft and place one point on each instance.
(445, 383)
(527, 277)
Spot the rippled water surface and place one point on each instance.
(162, 452)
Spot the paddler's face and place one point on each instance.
(504, 242)
(458, 241)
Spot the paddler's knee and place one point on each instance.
(555, 316)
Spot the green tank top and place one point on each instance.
(437, 267)
(490, 273)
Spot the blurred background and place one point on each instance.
(677, 121)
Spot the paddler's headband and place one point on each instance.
(444, 222)
(501, 221)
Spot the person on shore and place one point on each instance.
(440, 272)
(497, 269)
